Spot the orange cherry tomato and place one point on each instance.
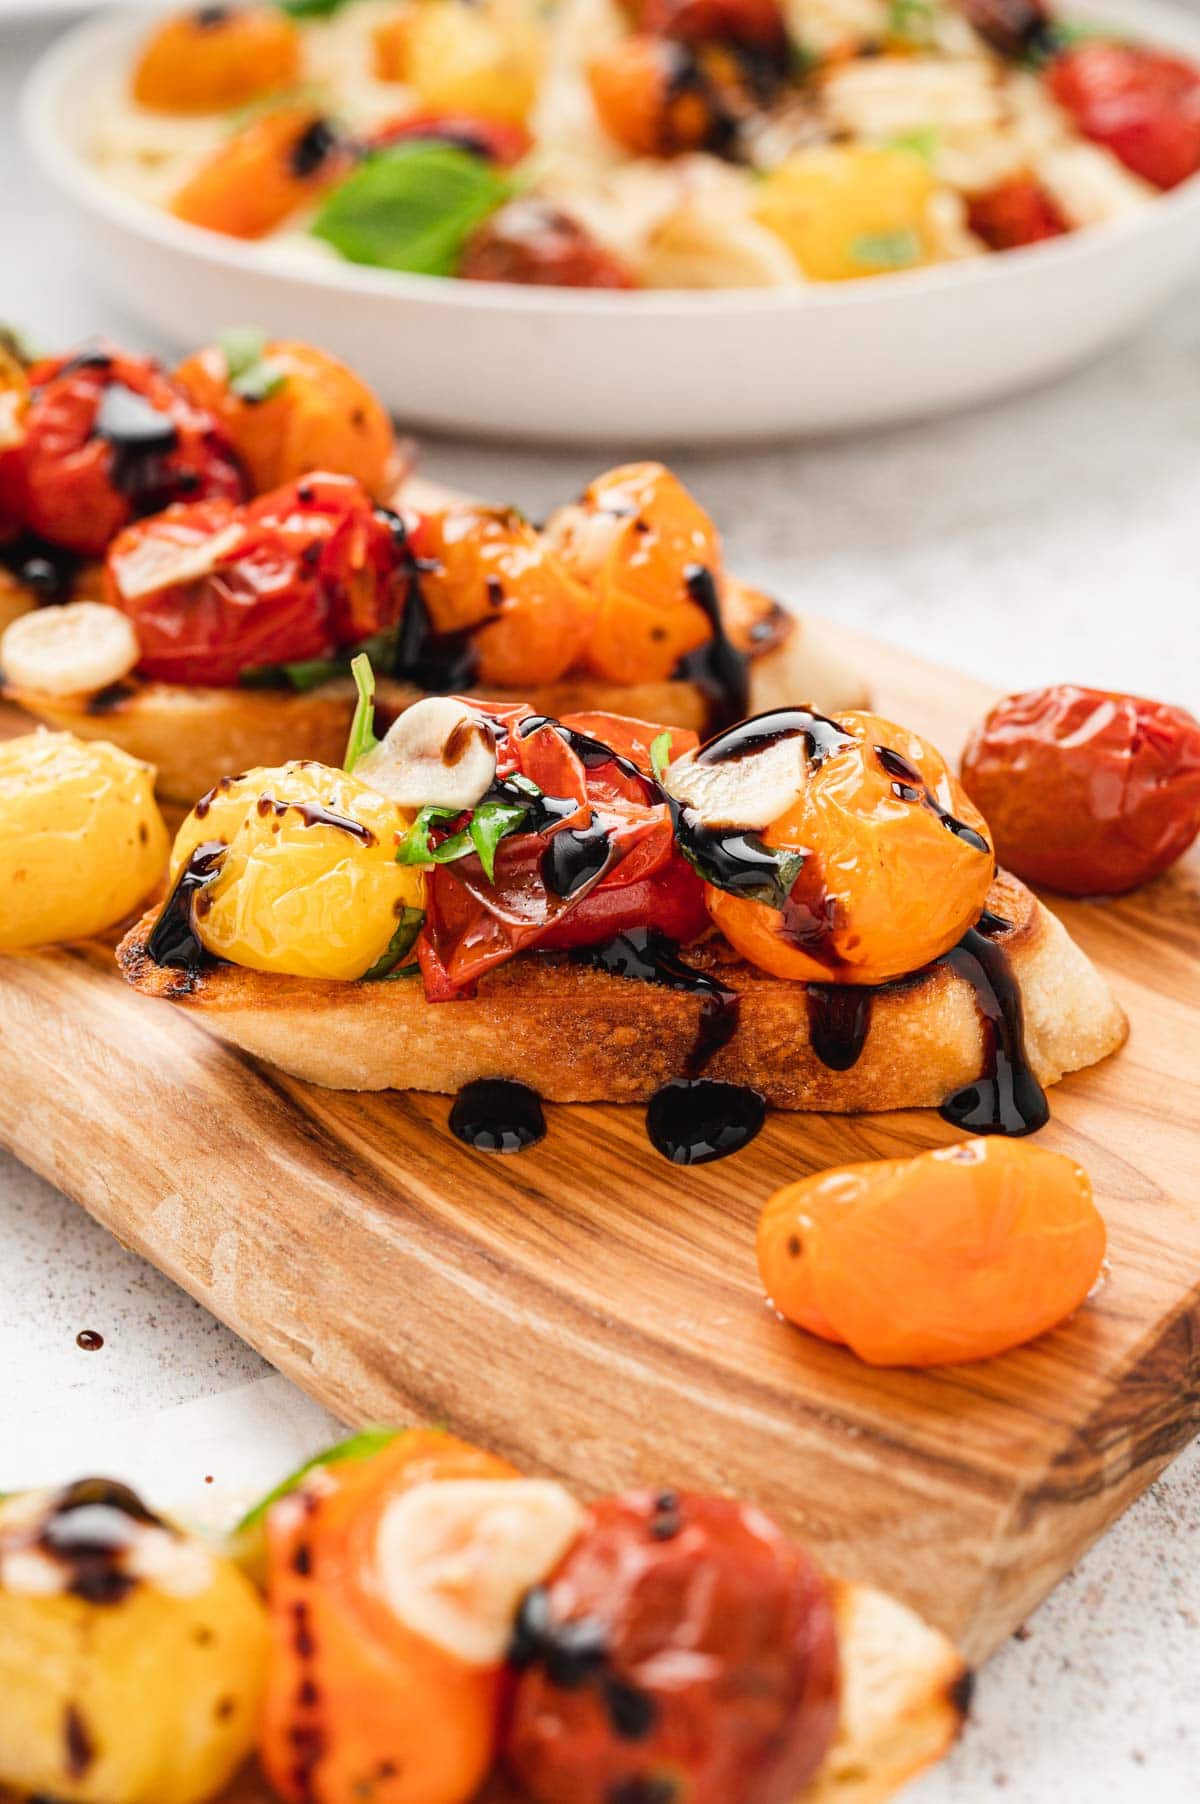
(321, 416)
(263, 174)
(635, 539)
(648, 99)
(898, 865)
(493, 576)
(1087, 791)
(358, 1705)
(954, 1255)
(212, 58)
(105, 438)
(683, 1649)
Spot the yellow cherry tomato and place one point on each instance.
(81, 839)
(144, 1690)
(463, 58)
(212, 58)
(851, 210)
(898, 865)
(309, 885)
(320, 416)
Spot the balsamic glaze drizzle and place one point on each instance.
(433, 661)
(692, 1121)
(497, 1115)
(822, 737)
(717, 668)
(649, 956)
(140, 436)
(575, 1654)
(910, 786)
(839, 1019)
(575, 858)
(88, 1531)
(313, 814)
(48, 570)
(1006, 1098)
(174, 942)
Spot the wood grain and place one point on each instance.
(591, 1312)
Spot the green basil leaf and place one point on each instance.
(766, 874)
(660, 753)
(911, 20)
(312, 9)
(925, 142)
(399, 946)
(251, 374)
(310, 673)
(362, 728)
(415, 848)
(490, 823)
(887, 250)
(411, 207)
(362, 1446)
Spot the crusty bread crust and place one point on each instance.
(581, 1035)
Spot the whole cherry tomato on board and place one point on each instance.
(106, 438)
(215, 590)
(529, 242)
(1087, 791)
(1015, 212)
(1142, 105)
(683, 1649)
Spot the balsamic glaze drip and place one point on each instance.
(313, 149)
(910, 786)
(46, 569)
(1018, 29)
(314, 814)
(88, 1341)
(593, 754)
(692, 1121)
(649, 956)
(88, 1532)
(109, 699)
(141, 437)
(433, 661)
(1007, 1097)
(575, 1654)
(575, 858)
(839, 1019)
(822, 737)
(497, 1115)
(79, 1750)
(716, 667)
(174, 943)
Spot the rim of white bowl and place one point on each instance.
(1152, 22)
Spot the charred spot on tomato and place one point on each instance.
(88, 1531)
(644, 1789)
(316, 145)
(208, 18)
(570, 1653)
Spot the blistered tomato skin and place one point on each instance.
(264, 173)
(955, 1255)
(532, 243)
(1142, 105)
(213, 58)
(320, 417)
(684, 1648)
(895, 871)
(81, 839)
(309, 884)
(1087, 791)
(75, 479)
(1016, 212)
(214, 590)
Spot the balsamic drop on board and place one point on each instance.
(692, 1121)
(497, 1115)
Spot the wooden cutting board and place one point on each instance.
(594, 1313)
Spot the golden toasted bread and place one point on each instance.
(577, 1034)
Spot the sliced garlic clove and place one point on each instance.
(454, 1557)
(748, 792)
(438, 753)
(72, 650)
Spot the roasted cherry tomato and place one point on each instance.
(954, 1255)
(108, 437)
(531, 242)
(757, 23)
(315, 414)
(1085, 790)
(640, 543)
(213, 58)
(653, 97)
(495, 140)
(597, 859)
(214, 590)
(1016, 212)
(895, 863)
(490, 574)
(684, 1649)
(1142, 105)
(264, 173)
(360, 1703)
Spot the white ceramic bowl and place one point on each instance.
(645, 369)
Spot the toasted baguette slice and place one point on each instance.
(194, 736)
(905, 1693)
(581, 1035)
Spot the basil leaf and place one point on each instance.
(490, 823)
(925, 142)
(746, 866)
(411, 207)
(911, 20)
(310, 673)
(415, 848)
(312, 9)
(361, 1446)
(251, 374)
(660, 753)
(398, 947)
(362, 728)
(887, 250)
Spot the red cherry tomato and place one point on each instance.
(755, 22)
(1085, 791)
(1016, 212)
(495, 140)
(547, 894)
(529, 242)
(684, 1649)
(215, 590)
(1144, 106)
(108, 438)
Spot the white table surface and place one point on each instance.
(1051, 537)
